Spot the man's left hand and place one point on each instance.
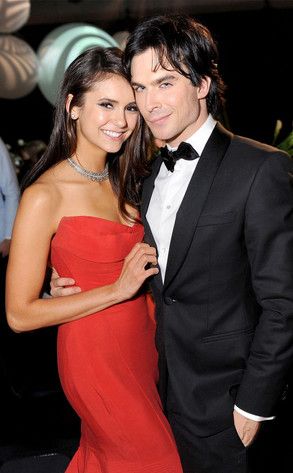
(5, 247)
(246, 428)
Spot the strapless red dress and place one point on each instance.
(107, 361)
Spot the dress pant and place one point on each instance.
(222, 452)
(3, 266)
(11, 354)
(4, 329)
(4, 378)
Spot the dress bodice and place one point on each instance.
(92, 250)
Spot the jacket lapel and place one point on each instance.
(147, 191)
(194, 199)
(148, 186)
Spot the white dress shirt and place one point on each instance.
(9, 193)
(169, 190)
(168, 193)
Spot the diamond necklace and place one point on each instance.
(93, 176)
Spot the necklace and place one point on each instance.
(93, 176)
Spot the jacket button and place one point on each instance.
(169, 300)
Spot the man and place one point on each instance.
(221, 219)
(9, 195)
(8, 200)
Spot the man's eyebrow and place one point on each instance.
(136, 84)
(164, 78)
(157, 81)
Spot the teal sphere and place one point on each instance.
(60, 47)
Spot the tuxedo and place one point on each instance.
(225, 309)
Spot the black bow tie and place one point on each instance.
(184, 151)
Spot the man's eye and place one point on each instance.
(138, 88)
(132, 108)
(165, 84)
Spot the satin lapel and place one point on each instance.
(148, 238)
(194, 199)
(148, 186)
(147, 191)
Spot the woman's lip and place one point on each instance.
(110, 133)
(120, 136)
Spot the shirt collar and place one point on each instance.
(199, 139)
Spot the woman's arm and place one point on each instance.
(34, 227)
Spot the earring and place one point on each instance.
(73, 116)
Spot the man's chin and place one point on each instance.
(164, 135)
(161, 136)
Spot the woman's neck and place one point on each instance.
(92, 161)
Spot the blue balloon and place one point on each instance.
(60, 47)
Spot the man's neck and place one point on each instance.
(199, 137)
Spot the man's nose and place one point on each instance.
(152, 101)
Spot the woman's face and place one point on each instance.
(107, 117)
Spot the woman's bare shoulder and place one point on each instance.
(39, 196)
(48, 186)
(46, 191)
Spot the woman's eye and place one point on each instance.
(106, 105)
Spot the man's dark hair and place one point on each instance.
(186, 45)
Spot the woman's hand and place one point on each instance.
(136, 270)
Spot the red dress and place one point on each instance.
(107, 361)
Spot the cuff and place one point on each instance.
(252, 416)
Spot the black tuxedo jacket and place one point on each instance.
(225, 310)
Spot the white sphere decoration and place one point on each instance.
(18, 67)
(121, 37)
(13, 14)
(60, 47)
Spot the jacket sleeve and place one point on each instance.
(269, 243)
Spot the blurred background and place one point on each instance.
(38, 39)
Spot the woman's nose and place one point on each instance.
(120, 119)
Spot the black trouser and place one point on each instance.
(219, 453)
(271, 452)
(9, 353)
(4, 329)
(3, 266)
(4, 335)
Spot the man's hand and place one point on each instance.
(246, 428)
(62, 286)
(5, 247)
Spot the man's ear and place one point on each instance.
(74, 111)
(204, 87)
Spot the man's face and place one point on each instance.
(171, 105)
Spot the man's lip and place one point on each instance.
(158, 119)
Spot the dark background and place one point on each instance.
(255, 61)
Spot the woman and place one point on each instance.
(81, 209)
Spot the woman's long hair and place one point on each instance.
(126, 168)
